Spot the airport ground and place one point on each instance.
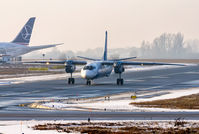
(143, 81)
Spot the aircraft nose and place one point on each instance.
(86, 74)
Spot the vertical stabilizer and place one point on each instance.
(105, 48)
(24, 35)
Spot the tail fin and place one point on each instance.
(105, 48)
(24, 35)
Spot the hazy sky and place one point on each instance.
(81, 24)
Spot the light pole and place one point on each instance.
(43, 56)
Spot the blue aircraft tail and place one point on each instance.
(105, 48)
(24, 35)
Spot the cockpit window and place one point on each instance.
(89, 68)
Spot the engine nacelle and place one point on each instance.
(118, 68)
(70, 68)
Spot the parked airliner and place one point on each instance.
(20, 45)
(99, 67)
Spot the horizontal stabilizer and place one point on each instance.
(124, 58)
(88, 58)
(33, 48)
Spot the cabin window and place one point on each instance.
(88, 68)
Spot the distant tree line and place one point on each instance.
(170, 46)
(167, 46)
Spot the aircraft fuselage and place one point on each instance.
(96, 70)
(13, 49)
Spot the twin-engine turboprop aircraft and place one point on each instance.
(99, 67)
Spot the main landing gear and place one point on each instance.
(71, 80)
(88, 82)
(120, 81)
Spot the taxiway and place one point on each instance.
(12, 95)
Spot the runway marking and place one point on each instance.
(5, 82)
(159, 77)
(135, 80)
(192, 72)
(154, 87)
(71, 87)
(35, 78)
(37, 91)
(195, 82)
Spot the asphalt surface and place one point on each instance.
(166, 79)
(75, 115)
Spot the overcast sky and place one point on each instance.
(81, 24)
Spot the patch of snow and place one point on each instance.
(19, 80)
(121, 102)
(158, 67)
(19, 127)
(195, 82)
(172, 94)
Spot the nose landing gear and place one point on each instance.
(119, 69)
(120, 81)
(88, 82)
(71, 80)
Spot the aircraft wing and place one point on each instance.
(74, 62)
(33, 48)
(148, 63)
(137, 63)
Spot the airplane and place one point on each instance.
(20, 45)
(99, 68)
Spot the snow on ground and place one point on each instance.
(159, 67)
(18, 80)
(172, 94)
(118, 102)
(19, 127)
(195, 82)
(149, 68)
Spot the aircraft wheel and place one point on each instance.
(88, 82)
(69, 81)
(120, 81)
(72, 80)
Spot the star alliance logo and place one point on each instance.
(26, 32)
